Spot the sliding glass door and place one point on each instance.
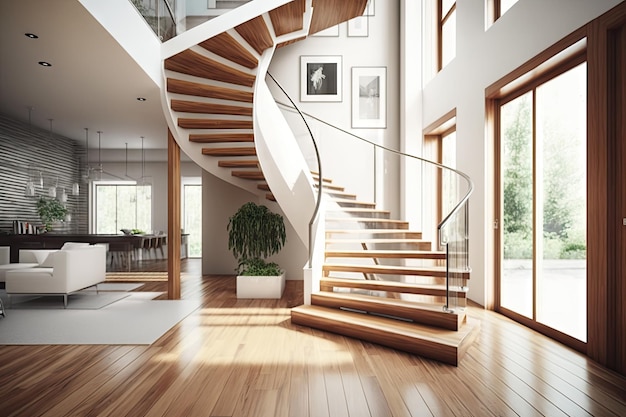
(543, 142)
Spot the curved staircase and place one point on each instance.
(381, 282)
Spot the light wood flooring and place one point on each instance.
(244, 358)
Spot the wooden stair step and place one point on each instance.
(191, 88)
(414, 244)
(336, 193)
(316, 176)
(359, 211)
(430, 314)
(214, 123)
(327, 186)
(374, 233)
(443, 345)
(241, 163)
(425, 271)
(236, 151)
(249, 175)
(187, 106)
(221, 137)
(270, 196)
(328, 283)
(263, 187)
(192, 63)
(353, 203)
(386, 254)
(229, 48)
(382, 223)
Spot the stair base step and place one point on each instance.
(428, 314)
(442, 345)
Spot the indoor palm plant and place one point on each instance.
(255, 233)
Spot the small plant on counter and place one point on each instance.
(50, 211)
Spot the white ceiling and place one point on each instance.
(92, 83)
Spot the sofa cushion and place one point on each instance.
(11, 267)
(49, 261)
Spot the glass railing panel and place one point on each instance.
(440, 210)
(168, 18)
(159, 14)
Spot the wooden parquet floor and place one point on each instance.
(244, 358)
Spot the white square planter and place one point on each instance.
(260, 286)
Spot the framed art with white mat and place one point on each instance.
(369, 97)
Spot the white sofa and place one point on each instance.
(28, 258)
(72, 269)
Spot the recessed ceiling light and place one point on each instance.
(31, 35)
(45, 64)
(141, 99)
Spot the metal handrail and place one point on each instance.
(319, 171)
(456, 208)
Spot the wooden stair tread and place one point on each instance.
(192, 63)
(327, 186)
(270, 196)
(390, 254)
(236, 151)
(250, 175)
(188, 106)
(358, 210)
(397, 224)
(221, 137)
(191, 88)
(428, 270)
(263, 187)
(242, 163)
(389, 233)
(443, 345)
(424, 313)
(392, 286)
(229, 48)
(375, 240)
(353, 202)
(343, 194)
(188, 123)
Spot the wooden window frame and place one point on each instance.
(441, 21)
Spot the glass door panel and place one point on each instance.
(561, 128)
(516, 280)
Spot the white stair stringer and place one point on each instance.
(280, 157)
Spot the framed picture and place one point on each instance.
(369, 97)
(320, 78)
(332, 31)
(369, 9)
(359, 26)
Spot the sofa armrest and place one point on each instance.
(81, 267)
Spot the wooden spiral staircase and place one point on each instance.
(210, 92)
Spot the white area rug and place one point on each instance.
(136, 319)
(84, 300)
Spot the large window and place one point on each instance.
(192, 218)
(122, 206)
(447, 31)
(543, 202)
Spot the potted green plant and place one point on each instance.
(255, 233)
(50, 211)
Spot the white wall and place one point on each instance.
(344, 160)
(483, 57)
(220, 200)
